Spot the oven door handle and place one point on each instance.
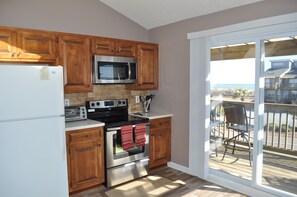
(114, 129)
(119, 128)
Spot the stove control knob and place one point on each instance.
(124, 102)
(98, 103)
(92, 104)
(119, 102)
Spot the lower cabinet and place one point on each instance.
(85, 158)
(160, 142)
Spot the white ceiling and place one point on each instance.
(155, 13)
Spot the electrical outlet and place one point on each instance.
(66, 102)
(137, 99)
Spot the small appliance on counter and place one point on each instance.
(75, 113)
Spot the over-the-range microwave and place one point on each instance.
(114, 69)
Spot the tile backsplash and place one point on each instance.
(101, 92)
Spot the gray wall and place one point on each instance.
(173, 94)
(89, 17)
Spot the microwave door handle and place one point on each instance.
(129, 70)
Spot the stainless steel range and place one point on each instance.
(126, 140)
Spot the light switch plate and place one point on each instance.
(137, 99)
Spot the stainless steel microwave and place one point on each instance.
(113, 69)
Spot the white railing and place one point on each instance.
(279, 125)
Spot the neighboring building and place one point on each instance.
(281, 82)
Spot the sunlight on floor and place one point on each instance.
(154, 178)
(131, 185)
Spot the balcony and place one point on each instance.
(279, 148)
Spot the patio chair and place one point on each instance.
(237, 120)
(216, 122)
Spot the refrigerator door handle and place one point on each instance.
(63, 139)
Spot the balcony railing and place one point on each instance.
(279, 125)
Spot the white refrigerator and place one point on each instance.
(32, 132)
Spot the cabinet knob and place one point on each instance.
(19, 53)
(13, 54)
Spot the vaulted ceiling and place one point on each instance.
(155, 13)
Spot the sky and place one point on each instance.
(240, 71)
(233, 71)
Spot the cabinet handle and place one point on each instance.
(19, 53)
(13, 54)
(86, 136)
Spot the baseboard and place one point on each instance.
(178, 167)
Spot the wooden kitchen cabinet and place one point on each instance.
(160, 142)
(106, 46)
(20, 45)
(85, 158)
(148, 69)
(74, 56)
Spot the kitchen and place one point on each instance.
(81, 134)
(77, 18)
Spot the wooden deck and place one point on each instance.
(279, 170)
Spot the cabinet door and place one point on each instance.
(159, 148)
(147, 66)
(7, 44)
(85, 159)
(74, 56)
(36, 45)
(103, 46)
(125, 48)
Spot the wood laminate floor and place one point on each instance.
(191, 187)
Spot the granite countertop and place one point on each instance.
(152, 114)
(82, 124)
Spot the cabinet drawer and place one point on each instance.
(84, 135)
(161, 123)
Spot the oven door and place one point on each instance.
(115, 155)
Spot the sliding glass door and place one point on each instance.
(232, 83)
(280, 108)
(253, 111)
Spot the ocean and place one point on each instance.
(233, 86)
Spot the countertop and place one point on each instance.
(83, 124)
(152, 114)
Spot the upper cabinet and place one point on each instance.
(27, 45)
(148, 73)
(74, 56)
(106, 46)
(74, 52)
